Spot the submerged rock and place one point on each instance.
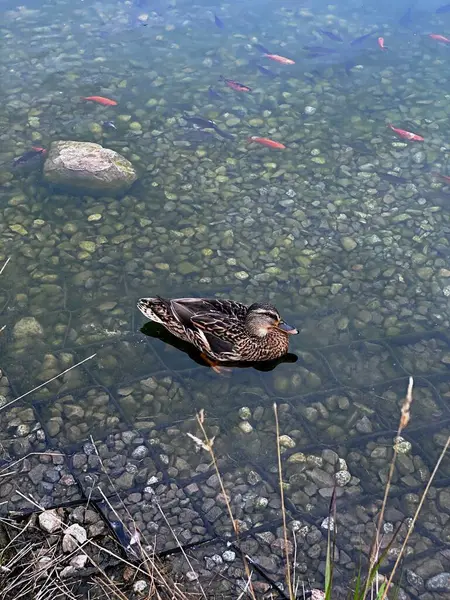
(88, 167)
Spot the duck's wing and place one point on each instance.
(185, 308)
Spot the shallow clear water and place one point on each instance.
(357, 260)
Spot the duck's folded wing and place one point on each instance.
(213, 328)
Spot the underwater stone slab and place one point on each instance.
(88, 167)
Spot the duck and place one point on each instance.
(222, 330)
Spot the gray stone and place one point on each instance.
(52, 475)
(229, 556)
(79, 561)
(88, 167)
(140, 452)
(348, 243)
(125, 481)
(439, 583)
(444, 500)
(321, 478)
(49, 521)
(28, 327)
(74, 536)
(36, 474)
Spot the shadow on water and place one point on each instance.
(154, 330)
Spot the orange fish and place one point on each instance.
(266, 142)
(380, 42)
(444, 177)
(439, 38)
(100, 100)
(235, 85)
(280, 59)
(407, 135)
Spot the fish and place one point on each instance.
(332, 36)
(406, 18)
(407, 135)
(267, 72)
(235, 85)
(266, 142)
(202, 123)
(439, 38)
(100, 100)
(108, 125)
(29, 155)
(444, 177)
(219, 23)
(261, 48)
(362, 38)
(380, 42)
(392, 178)
(213, 94)
(280, 59)
(320, 50)
(441, 10)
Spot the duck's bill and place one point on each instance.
(287, 328)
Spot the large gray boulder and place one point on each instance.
(88, 167)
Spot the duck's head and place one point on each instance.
(263, 318)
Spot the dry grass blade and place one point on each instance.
(209, 445)
(283, 507)
(46, 382)
(404, 420)
(151, 565)
(4, 265)
(416, 515)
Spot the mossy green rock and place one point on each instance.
(89, 168)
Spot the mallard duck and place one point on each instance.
(223, 330)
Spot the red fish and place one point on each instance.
(100, 100)
(280, 59)
(407, 135)
(444, 177)
(266, 142)
(235, 85)
(439, 38)
(380, 42)
(29, 155)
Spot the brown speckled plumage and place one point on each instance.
(224, 330)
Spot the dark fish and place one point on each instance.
(361, 39)
(261, 48)
(213, 94)
(406, 18)
(319, 50)
(348, 66)
(267, 72)
(392, 178)
(202, 123)
(28, 156)
(235, 85)
(445, 8)
(219, 23)
(332, 36)
(108, 125)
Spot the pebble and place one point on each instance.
(439, 583)
(74, 536)
(49, 521)
(229, 556)
(348, 243)
(27, 327)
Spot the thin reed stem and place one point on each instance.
(208, 443)
(416, 515)
(283, 507)
(404, 420)
(46, 382)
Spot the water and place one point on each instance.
(357, 260)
